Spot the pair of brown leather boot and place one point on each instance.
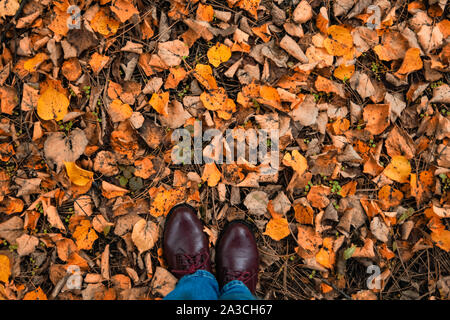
(186, 248)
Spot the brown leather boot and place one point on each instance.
(185, 245)
(237, 255)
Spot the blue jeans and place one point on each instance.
(202, 285)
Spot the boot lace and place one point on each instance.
(188, 264)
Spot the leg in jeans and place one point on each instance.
(236, 290)
(201, 285)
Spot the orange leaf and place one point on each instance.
(218, 54)
(304, 214)
(110, 191)
(52, 104)
(376, 117)
(203, 74)
(442, 239)
(262, 32)
(124, 9)
(348, 189)
(164, 199)
(277, 228)
(144, 167)
(389, 197)
(344, 72)
(71, 69)
(296, 161)
(211, 174)
(205, 13)
(159, 102)
(341, 41)
(37, 294)
(5, 268)
(175, 77)
(317, 196)
(84, 235)
(412, 61)
(104, 24)
(98, 61)
(250, 5)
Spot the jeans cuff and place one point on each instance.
(200, 273)
(232, 284)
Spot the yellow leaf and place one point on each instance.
(218, 54)
(77, 175)
(398, 170)
(84, 235)
(5, 268)
(324, 258)
(52, 104)
(296, 161)
(277, 228)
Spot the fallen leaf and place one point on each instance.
(218, 54)
(77, 175)
(398, 169)
(144, 235)
(84, 235)
(277, 228)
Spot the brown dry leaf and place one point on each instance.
(144, 235)
(308, 239)
(110, 191)
(9, 100)
(53, 216)
(84, 235)
(64, 248)
(377, 117)
(26, 244)
(303, 12)
(59, 147)
(296, 161)
(173, 52)
(398, 169)
(218, 54)
(318, 196)
(394, 46)
(277, 228)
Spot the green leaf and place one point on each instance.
(348, 253)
